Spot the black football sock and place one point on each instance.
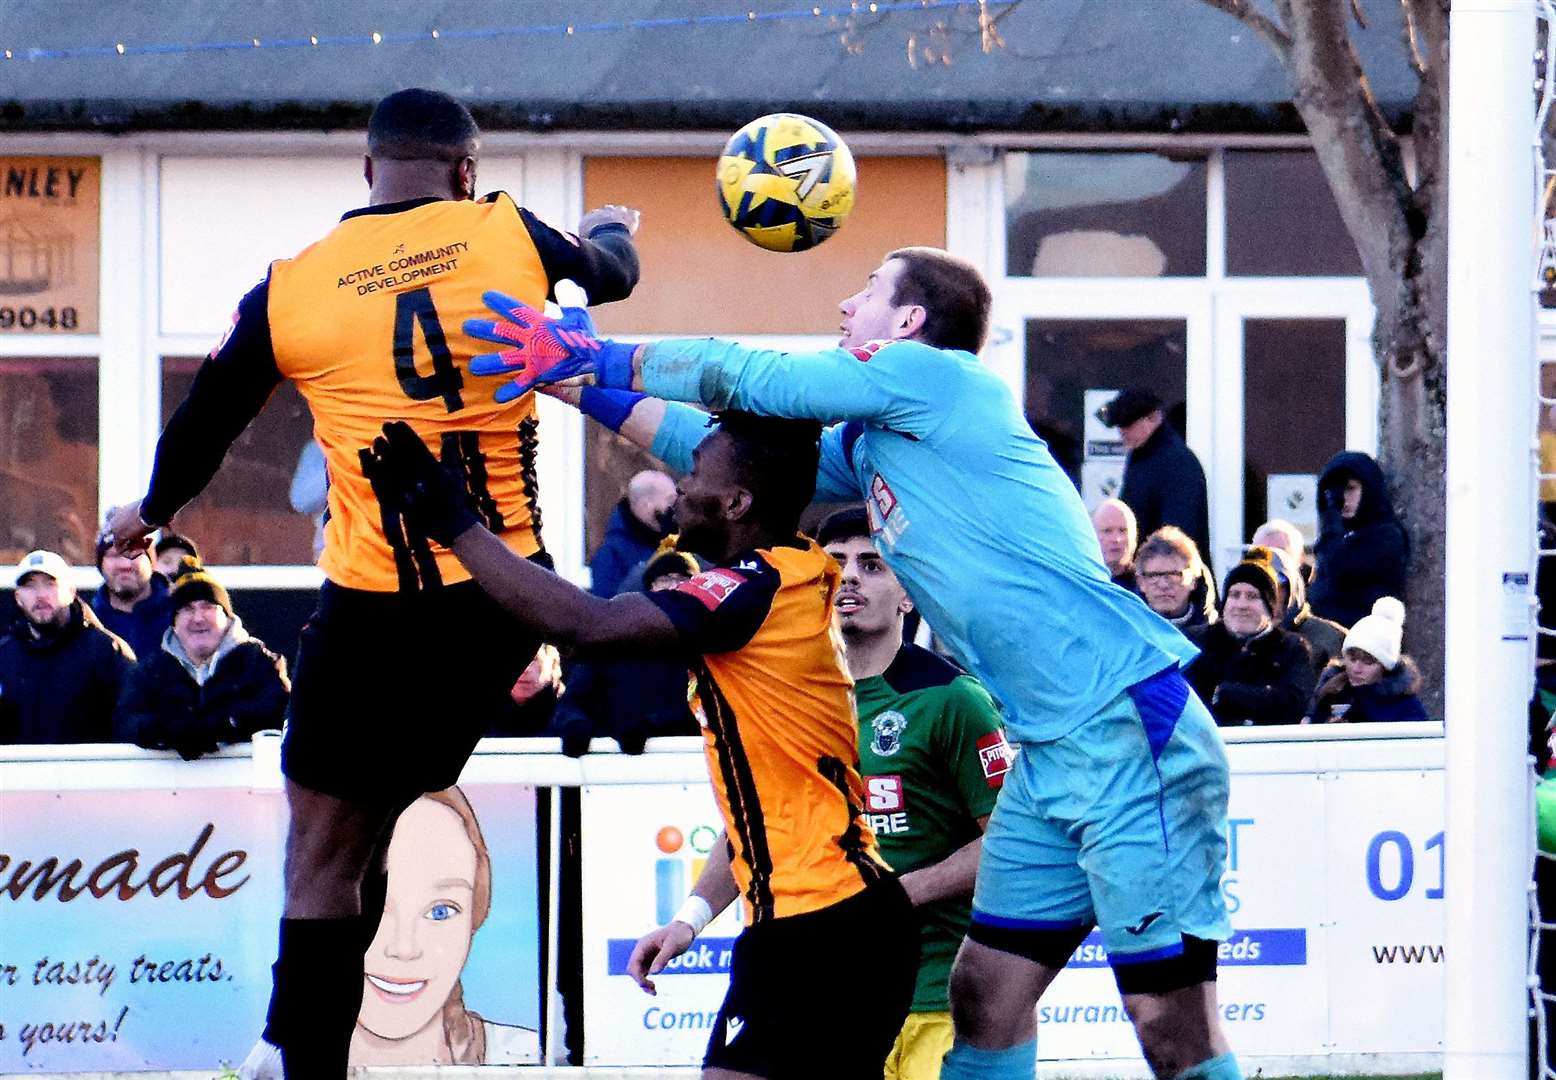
(316, 995)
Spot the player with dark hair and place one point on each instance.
(933, 758)
(1114, 814)
(778, 730)
(404, 662)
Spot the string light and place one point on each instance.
(839, 10)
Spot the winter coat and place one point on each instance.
(627, 543)
(1165, 485)
(627, 700)
(1358, 561)
(171, 703)
(60, 687)
(1324, 638)
(1393, 697)
(1265, 679)
(143, 626)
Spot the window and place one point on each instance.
(245, 517)
(1066, 358)
(48, 457)
(1281, 217)
(1293, 415)
(1104, 215)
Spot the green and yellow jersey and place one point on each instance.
(933, 756)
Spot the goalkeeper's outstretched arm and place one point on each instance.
(671, 430)
(904, 386)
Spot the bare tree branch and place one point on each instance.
(1361, 20)
(1266, 27)
(1412, 37)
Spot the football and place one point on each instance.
(786, 182)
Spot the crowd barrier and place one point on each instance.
(139, 893)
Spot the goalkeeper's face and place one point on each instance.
(872, 313)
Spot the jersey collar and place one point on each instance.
(391, 208)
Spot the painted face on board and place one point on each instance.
(424, 937)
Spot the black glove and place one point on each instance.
(406, 477)
(189, 734)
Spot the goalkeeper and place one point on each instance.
(1115, 812)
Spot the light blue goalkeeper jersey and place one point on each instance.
(966, 504)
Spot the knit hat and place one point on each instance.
(1261, 575)
(1378, 634)
(198, 585)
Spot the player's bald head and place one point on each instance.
(422, 125)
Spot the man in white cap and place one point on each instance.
(60, 671)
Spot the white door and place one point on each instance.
(1295, 383)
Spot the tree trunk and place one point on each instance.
(1412, 449)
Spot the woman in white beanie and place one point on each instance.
(1372, 681)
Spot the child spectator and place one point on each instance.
(1373, 681)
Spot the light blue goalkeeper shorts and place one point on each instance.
(1119, 824)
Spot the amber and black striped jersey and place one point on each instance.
(779, 732)
(368, 323)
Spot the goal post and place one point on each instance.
(1490, 525)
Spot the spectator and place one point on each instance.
(1324, 638)
(1282, 534)
(133, 601)
(1250, 670)
(1362, 549)
(1375, 681)
(208, 683)
(636, 526)
(1174, 580)
(533, 696)
(170, 550)
(1163, 481)
(630, 700)
(1118, 533)
(60, 671)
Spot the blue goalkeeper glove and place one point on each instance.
(542, 350)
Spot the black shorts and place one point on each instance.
(822, 994)
(393, 690)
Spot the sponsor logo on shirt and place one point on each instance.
(886, 805)
(887, 520)
(888, 728)
(713, 587)
(883, 794)
(862, 353)
(995, 756)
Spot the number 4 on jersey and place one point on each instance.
(411, 308)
